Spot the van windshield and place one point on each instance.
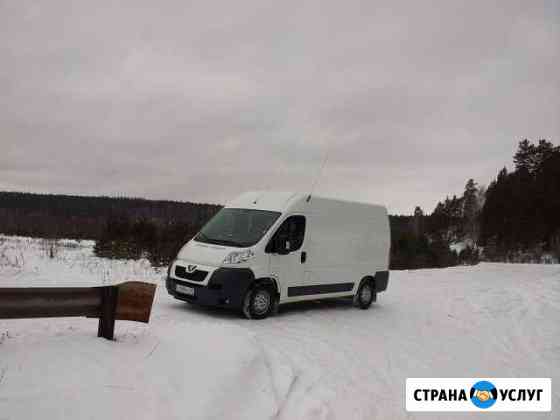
(237, 227)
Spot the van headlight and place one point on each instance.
(237, 257)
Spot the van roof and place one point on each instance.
(282, 201)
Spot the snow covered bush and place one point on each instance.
(10, 255)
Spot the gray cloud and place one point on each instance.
(202, 100)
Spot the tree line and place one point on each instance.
(516, 219)
(159, 242)
(80, 217)
(520, 220)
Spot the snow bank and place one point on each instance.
(195, 371)
(25, 261)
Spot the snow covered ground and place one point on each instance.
(319, 360)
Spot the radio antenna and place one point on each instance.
(319, 173)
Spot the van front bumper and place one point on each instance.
(226, 288)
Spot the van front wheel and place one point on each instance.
(258, 302)
(365, 295)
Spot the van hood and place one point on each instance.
(206, 254)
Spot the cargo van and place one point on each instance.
(268, 248)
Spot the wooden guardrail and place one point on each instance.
(131, 301)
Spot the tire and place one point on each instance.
(259, 302)
(365, 294)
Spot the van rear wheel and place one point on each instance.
(259, 302)
(365, 295)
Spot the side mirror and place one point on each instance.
(282, 246)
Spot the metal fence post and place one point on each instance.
(109, 296)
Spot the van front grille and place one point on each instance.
(196, 275)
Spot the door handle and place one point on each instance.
(303, 257)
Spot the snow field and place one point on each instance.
(316, 360)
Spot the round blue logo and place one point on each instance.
(483, 394)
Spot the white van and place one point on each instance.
(267, 248)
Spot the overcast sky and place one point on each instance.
(202, 100)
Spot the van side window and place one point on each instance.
(288, 236)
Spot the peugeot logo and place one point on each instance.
(191, 268)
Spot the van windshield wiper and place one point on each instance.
(227, 242)
(201, 237)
